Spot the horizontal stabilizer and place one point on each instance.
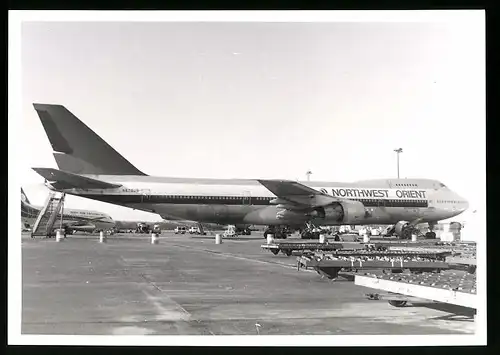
(61, 180)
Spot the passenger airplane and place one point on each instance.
(73, 220)
(91, 168)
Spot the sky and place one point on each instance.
(263, 99)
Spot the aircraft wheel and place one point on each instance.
(430, 235)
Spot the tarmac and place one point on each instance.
(188, 285)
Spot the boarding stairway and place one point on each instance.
(47, 218)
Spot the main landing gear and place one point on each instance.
(310, 232)
(279, 232)
(408, 231)
(244, 231)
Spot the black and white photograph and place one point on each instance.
(238, 178)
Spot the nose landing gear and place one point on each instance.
(430, 234)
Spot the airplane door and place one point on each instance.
(145, 195)
(247, 198)
(389, 183)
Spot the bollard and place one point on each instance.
(322, 238)
(155, 239)
(413, 237)
(59, 235)
(102, 237)
(270, 239)
(218, 239)
(366, 238)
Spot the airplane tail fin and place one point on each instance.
(78, 149)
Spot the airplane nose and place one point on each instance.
(465, 204)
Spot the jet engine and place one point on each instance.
(404, 230)
(345, 212)
(400, 227)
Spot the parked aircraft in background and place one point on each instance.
(91, 168)
(73, 219)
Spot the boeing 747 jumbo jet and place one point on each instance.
(73, 220)
(91, 168)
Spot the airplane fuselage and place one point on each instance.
(235, 201)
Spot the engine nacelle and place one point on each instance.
(345, 212)
(353, 212)
(330, 213)
(400, 227)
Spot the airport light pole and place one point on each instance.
(308, 174)
(398, 151)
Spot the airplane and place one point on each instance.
(90, 168)
(73, 220)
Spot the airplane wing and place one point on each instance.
(63, 180)
(297, 193)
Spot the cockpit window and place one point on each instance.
(442, 185)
